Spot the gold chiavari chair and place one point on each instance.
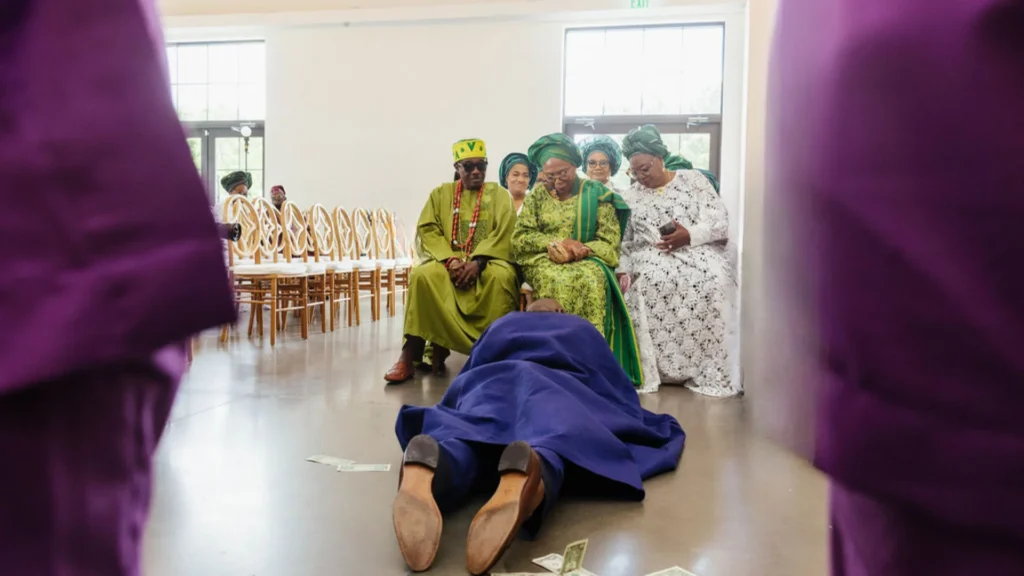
(405, 257)
(296, 249)
(324, 236)
(348, 254)
(384, 254)
(257, 282)
(367, 272)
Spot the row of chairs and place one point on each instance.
(317, 260)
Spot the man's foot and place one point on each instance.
(402, 371)
(437, 360)
(415, 514)
(518, 496)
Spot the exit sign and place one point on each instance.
(639, 3)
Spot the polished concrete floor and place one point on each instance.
(234, 495)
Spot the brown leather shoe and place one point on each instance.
(519, 494)
(415, 514)
(400, 372)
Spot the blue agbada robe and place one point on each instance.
(552, 381)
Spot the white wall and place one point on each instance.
(365, 115)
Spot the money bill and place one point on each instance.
(573, 557)
(330, 460)
(364, 468)
(673, 571)
(551, 562)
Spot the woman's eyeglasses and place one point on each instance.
(644, 170)
(563, 174)
(598, 164)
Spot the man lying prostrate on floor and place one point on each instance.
(541, 407)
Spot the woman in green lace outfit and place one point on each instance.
(567, 242)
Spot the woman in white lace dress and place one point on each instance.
(680, 286)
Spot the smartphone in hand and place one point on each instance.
(667, 228)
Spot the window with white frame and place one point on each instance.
(668, 75)
(219, 91)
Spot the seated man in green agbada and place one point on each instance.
(467, 279)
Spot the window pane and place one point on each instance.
(252, 64)
(192, 64)
(172, 63)
(223, 63)
(223, 102)
(702, 69)
(192, 102)
(257, 184)
(255, 153)
(623, 93)
(662, 71)
(252, 102)
(586, 73)
(195, 145)
(697, 149)
(229, 154)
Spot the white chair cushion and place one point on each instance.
(386, 264)
(316, 267)
(278, 269)
(403, 262)
(365, 264)
(343, 266)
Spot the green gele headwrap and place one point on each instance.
(608, 147)
(555, 145)
(512, 160)
(644, 140)
(232, 180)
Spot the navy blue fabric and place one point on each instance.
(552, 381)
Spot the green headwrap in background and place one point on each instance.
(606, 145)
(510, 161)
(647, 140)
(234, 179)
(555, 145)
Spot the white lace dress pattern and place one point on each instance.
(683, 304)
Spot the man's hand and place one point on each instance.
(467, 274)
(453, 267)
(675, 240)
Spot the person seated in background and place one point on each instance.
(542, 408)
(235, 184)
(466, 280)
(278, 196)
(567, 243)
(517, 175)
(677, 273)
(602, 158)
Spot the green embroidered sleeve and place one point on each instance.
(529, 240)
(609, 238)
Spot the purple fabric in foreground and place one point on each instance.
(77, 457)
(896, 137)
(871, 538)
(109, 250)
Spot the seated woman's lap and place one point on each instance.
(580, 287)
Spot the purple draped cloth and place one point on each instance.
(895, 148)
(110, 259)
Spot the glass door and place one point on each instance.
(218, 151)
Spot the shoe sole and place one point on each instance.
(417, 519)
(495, 525)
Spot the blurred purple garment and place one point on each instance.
(110, 260)
(895, 142)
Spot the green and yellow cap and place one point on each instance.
(471, 148)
